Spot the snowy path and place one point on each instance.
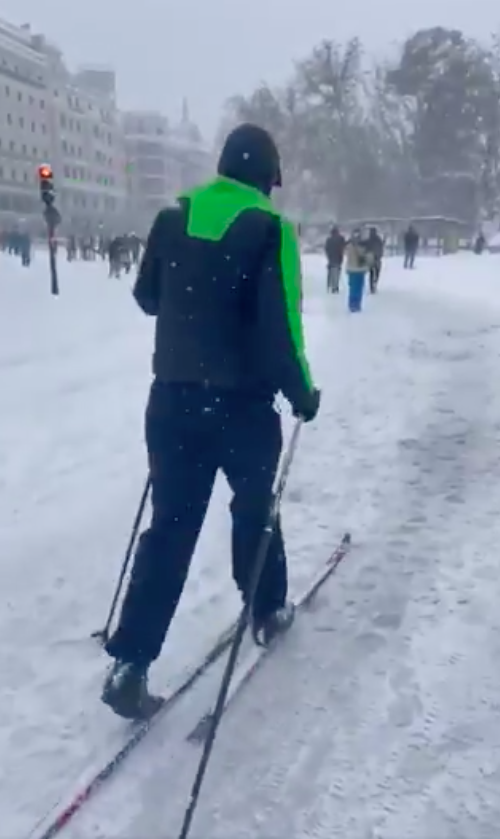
(389, 726)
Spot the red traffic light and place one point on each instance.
(46, 180)
(45, 172)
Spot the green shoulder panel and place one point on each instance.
(213, 207)
(291, 272)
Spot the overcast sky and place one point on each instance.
(209, 49)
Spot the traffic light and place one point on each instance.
(46, 181)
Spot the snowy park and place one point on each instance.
(379, 715)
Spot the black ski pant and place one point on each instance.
(375, 271)
(333, 277)
(191, 432)
(410, 258)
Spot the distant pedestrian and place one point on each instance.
(358, 262)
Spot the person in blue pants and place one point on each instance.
(357, 265)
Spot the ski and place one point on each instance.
(257, 654)
(139, 731)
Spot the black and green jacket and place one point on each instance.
(221, 272)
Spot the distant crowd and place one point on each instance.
(121, 251)
(362, 254)
(363, 251)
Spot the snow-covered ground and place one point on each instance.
(379, 718)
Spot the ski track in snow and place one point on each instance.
(379, 716)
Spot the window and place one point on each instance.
(21, 122)
(35, 152)
(12, 145)
(25, 177)
(25, 149)
(7, 90)
(62, 120)
(31, 100)
(71, 125)
(13, 175)
(9, 119)
(42, 104)
(33, 127)
(67, 172)
(19, 97)
(44, 128)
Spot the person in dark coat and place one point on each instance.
(221, 275)
(375, 246)
(480, 244)
(334, 249)
(411, 243)
(115, 255)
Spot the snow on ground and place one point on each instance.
(379, 717)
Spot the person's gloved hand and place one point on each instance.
(308, 407)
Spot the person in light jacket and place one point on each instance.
(358, 263)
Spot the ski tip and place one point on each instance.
(200, 732)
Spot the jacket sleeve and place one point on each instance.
(280, 329)
(147, 288)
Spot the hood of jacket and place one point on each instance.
(251, 156)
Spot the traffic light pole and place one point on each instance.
(51, 215)
(52, 218)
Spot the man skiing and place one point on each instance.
(221, 274)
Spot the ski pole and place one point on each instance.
(103, 634)
(243, 620)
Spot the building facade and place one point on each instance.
(68, 120)
(25, 138)
(162, 161)
(88, 154)
(112, 170)
(146, 148)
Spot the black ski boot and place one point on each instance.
(126, 692)
(278, 622)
